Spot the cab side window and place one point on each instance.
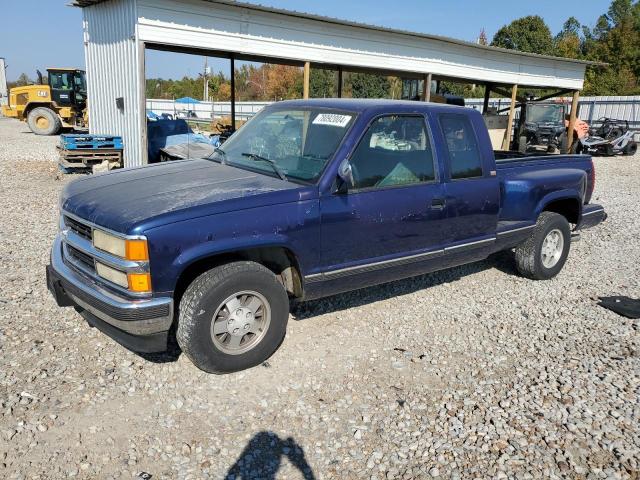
(395, 151)
(464, 155)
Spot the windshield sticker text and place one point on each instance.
(332, 119)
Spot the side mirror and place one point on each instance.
(345, 172)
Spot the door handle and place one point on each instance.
(438, 204)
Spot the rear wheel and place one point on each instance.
(232, 317)
(563, 143)
(609, 151)
(522, 144)
(44, 121)
(631, 148)
(545, 252)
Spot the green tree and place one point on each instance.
(367, 85)
(615, 39)
(22, 81)
(569, 42)
(322, 83)
(527, 34)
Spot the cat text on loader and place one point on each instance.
(60, 102)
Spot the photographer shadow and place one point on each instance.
(262, 458)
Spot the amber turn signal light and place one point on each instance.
(139, 282)
(136, 250)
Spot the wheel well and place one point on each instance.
(31, 106)
(568, 208)
(281, 261)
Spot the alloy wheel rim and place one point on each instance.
(552, 247)
(240, 322)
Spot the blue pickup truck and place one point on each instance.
(309, 199)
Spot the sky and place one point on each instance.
(54, 33)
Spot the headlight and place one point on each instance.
(124, 248)
(136, 282)
(113, 275)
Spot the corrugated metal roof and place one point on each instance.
(338, 21)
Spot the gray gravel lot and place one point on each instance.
(468, 373)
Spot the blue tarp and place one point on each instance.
(164, 133)
(186, 100)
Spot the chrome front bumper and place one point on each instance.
(122, 318)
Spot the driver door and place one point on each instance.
(395, 207)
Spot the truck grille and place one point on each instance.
(80, 254)
(81, 258)
(78, 228)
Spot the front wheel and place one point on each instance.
(44, 121)
(232, 317)
(545, 252)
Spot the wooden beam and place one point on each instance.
(307, 80)
(572, 120)
(233, 94)
(541, 99)
(506, 144)
(426, 88)
(487, 95)
(506, 93)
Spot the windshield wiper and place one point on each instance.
(274, 165)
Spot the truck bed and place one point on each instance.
(507, 162)
(550, 176)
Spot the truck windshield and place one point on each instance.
(545, 114)
(295, 144)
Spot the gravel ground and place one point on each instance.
(468, 373)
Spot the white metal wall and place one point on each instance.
(112, 57)
(206, 110)
(237, 28)
(591, 108)
(3, 83)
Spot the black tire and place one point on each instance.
(522, 144)
(631, 148)
(44, 121)
(563, 143)
(529, 254)
(609, 151)
(207, 294)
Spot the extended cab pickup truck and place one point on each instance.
(309, 199)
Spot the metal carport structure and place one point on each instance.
(117, 32)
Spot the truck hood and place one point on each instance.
(133, 200)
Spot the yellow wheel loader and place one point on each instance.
(60, 102)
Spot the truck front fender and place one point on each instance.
(228, 246)
(274, 251)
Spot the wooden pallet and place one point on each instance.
(88, 159)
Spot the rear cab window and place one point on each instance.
(461, 143)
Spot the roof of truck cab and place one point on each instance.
(363, 104)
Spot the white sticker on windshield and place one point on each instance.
(332, 119)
